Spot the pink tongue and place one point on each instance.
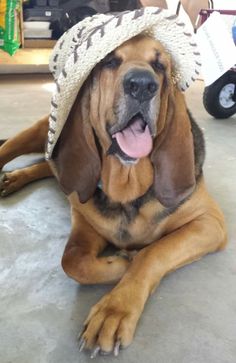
(134, 141)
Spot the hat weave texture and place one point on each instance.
(88, 42)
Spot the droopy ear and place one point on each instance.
(173, 154)
(75, 156)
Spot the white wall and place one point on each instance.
(218, 4)
(225, 4)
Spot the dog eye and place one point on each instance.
(158, 67)
(111, 63)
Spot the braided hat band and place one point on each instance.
(88, 42)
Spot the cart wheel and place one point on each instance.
(219, 98)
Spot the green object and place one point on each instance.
(10, 25)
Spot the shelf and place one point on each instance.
(26, 56)
(25, 60)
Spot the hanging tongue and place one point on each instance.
(135, 140)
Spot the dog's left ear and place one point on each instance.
(173, 153)
(75, 158)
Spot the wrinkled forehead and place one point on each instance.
(141, 47)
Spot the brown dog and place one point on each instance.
(156, 204)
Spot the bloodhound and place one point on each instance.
(130, 159)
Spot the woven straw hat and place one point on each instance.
(88, 42)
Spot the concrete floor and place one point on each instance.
(189, 319)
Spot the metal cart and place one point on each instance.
(219, 98)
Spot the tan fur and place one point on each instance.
(194, 229)
(123, 184)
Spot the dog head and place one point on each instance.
(130, 108)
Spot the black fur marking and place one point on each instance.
(158, 218)
(129, 211)
(112, 209)
(199, 147)
(123, 235)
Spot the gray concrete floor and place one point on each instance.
(191, 318)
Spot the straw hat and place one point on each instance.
(88, 42)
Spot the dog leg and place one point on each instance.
(112, 321)
(31, 140)
(13, 181)
(80, 260)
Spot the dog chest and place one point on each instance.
(130, 225)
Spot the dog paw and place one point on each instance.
(3, 185)
(111, 323)
(9, 183)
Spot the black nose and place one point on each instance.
(140, 84)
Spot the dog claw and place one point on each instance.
(117, 348)
(3, 193)
(3, 183)
(3, 177)
(82, 343)
(80, 335)
(95, 352)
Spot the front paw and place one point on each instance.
(3, 185)
(8, 184)
(11, 182)
(111, 323)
